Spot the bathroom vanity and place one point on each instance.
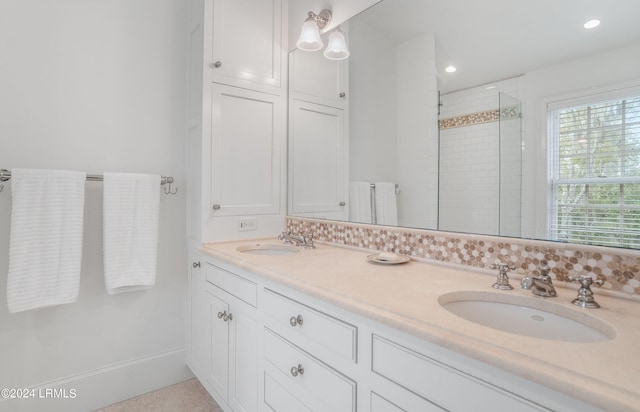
(294, 329)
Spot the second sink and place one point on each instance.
(527, 317)
(268, 249)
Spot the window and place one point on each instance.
(594, 172)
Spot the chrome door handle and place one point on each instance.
(295, 370)
(296, 320)
(225, 316)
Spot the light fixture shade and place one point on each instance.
(310, 37)
(337, 47)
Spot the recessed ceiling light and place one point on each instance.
(493, 86)
(450, 69)
(591, 24)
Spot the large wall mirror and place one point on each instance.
(536, 134)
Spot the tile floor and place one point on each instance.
(188, 396)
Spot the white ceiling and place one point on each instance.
(489, 40)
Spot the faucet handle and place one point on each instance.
(503, 267)
(585, 295)
(544, 270)
(285, 236)
(586, 281)
(502, 282)
(308, 241)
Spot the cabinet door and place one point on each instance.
(247, 41)
(218, 374)
(318, 79)
(198, 348)
(246, 136)
(243, 359)
(318, 152)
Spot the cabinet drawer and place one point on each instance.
(233, 284)
(333, 390)
(394, 398)
(439, 383)
(278, 399)
(317, 328)
(380, 404)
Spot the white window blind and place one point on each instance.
(594, 176)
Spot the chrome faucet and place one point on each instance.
(304, 240)
(289, 238)
(540, 285)
(585, 294)
(502, 282)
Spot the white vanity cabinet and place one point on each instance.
(223, 334)
(270, 348)
(304, 348)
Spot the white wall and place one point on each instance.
(417, 116)
(372, 105)
(96, 86)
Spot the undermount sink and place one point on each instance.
(268, 249)
(527, 316)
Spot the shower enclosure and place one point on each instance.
(480, 165)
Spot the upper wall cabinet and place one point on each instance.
(237, 119)
(317, 79)
(246, 43)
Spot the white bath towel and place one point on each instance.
(45, 246)
(360, 202)
(386, 207)
(131, 214)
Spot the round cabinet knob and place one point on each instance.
(196, 265)
(342, 95)
(216, 207)
(342, 203)
(221, 315)
(296, 370)
(217, 64)
(296, 320)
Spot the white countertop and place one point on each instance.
(405, 297)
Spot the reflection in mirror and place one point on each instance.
(480, 162)
(388, 137)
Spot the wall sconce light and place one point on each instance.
(337, 47)
(310, 35)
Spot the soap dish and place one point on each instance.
(380, 261)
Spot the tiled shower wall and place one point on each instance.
(470, 157)
(618, 268)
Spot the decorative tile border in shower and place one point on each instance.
(479, 118)
(618, 268)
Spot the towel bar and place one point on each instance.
(5, 175)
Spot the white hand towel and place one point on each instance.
(386, 207)
(45, 246)
(131, 213)
(360, 202)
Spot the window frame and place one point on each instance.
(553, 181)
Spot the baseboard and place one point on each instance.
(104, 386)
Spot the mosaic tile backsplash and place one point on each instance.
(618, 268)
(479, 118)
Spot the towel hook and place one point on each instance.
(168, 191)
